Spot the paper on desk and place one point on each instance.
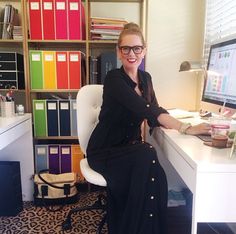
(180, 114)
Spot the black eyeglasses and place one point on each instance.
(126, 49)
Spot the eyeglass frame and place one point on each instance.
(131, 48)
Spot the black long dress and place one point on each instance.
(136, 183)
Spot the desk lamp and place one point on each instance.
(195, 66)
(191, 66)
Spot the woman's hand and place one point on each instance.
(198, 129)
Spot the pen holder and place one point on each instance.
(7, 109)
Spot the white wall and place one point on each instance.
(174, 34)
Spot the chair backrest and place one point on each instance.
(88, 101)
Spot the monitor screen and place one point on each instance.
(220, 83)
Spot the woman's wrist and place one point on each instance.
(184, 128)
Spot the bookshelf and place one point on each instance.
(131, 10)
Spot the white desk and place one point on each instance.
(16, 144)
(208, 172)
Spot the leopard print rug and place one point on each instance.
(37, 220)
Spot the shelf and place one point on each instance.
(120, 1)
(57, 41)
(57, 138)
(54, 91)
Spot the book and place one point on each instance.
(107, 20)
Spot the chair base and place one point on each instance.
(99, 204)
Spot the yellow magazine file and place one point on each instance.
(77, 155)
(49, 70)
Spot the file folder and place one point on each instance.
(77, 156)
(65, 154)
(41, 157)
(64, 117)
(35, 19)
(49, 70)
(61, 19)
(54, 159)
(73, 117)
(48, 19)
(62, 70)
(52, 117)
(36, 69)
(40, 118)
(74, 69)
(75, 19)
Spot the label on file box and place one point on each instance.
(53, 150)
(60, 6)
(41, 151)
(74, 57)
(36, 57)
(34, 6)
(64, 106)
(47, 5)
(48, 57)
(61, 57)
(52, 106)
(74, 6)
(39, 106)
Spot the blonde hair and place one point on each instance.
(131, 29)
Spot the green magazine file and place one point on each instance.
(40, 118)
(36, 69)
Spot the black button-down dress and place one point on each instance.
(136, 183)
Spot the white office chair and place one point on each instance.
(89, 101)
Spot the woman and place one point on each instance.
(136, 182)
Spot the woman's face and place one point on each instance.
(131, 51)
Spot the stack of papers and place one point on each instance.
(180, 114)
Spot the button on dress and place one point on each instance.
(136, 182)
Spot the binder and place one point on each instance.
(54, 159)
(36, 69)
(40, 118)
(76, 155)
(106, 62)
(64, 117)
(49, 70)
(41, 157)
(61, 19)
(74, 69)
(65, 155)
(62, 70)
(73, 117)
(35, 19)
(48, 19)
(75, 19)
(52, 117)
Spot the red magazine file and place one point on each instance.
(35, 24)
(62, 69)
(74, 69)
(48, 7)
(75, 19)
(61, 19)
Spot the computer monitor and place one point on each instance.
(220, 80)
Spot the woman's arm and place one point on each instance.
(170, 122)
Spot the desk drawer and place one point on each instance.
(183, 168)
